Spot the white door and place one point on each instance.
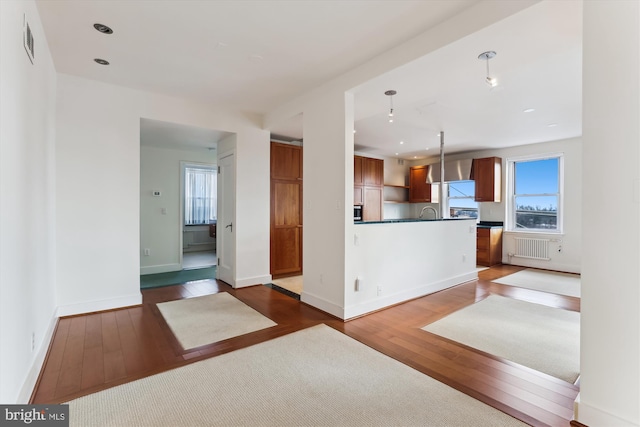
(226, 242)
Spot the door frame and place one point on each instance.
(230, 278)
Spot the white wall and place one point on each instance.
(160, 170)
(98, 189)
(610, 306)
(27, 202)
(400, 261)
(328, 198)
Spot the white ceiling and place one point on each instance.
(254, 55)
(156, 133)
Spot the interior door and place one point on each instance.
(225, 238)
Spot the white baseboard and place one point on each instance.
(251, 281)
(322, 304)
(592, 416)
(545, 265)
(355, 310)
(164, 268)
(386, 301)
(99, 305)
(36, 366)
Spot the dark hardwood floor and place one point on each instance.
(96, 351)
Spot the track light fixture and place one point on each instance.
(486, 56)
(390, 94)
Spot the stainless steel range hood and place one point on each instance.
(455, 170)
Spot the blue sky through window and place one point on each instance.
(537, 177)
(461, 194)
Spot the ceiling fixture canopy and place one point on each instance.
(390, 94)
(101, 61)
(486, 56)
(103, 28)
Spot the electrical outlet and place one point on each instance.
(33, 341)
(464, 257)
(379, 290)
(147, 252)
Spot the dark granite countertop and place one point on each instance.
(490, 224)
(391, 221)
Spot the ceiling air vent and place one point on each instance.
(27, 39)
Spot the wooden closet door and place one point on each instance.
(286, 209)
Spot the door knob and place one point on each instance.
(230, 225)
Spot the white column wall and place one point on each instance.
(98, 189)
(610, 307)
(327, 199)
(27, 201)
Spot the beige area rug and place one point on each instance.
(545, 281)
(543, 338)
(314, 377)
(293, 284)
(211, 318)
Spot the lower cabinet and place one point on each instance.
(372, 206)
(489, 246)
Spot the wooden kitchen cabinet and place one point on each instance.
(487, 174)
(368, 177)
(372, 206)
(286, 209)
(357, 170)
(489, 246)
(358, 195)
(372, 172)
(419, 190)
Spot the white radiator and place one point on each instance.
(197, 238)
(532, 248)
(201, 237)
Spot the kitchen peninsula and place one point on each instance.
(400, 259)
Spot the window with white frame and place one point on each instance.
(200, 194)
(460, 199)
(535, 194)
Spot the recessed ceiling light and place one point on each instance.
(396, 154)
(401, 142)
(415, 157)
(529, 110)
(427, 148)
(101, 61)
(103, 28)
(354, 131)
(552, 125)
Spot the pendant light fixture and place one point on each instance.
(486, 56)
(390, 94)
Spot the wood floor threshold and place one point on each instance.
(92, 352)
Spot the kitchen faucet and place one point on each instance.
(435, 212)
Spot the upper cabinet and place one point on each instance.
(372, 171)
(286, 161)
(487, 173)
(419, 190)
(357, 170)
